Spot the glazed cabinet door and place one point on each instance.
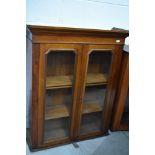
(100, 70)
(58, 85)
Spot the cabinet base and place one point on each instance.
(32, 149)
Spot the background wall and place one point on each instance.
(102, 14)
(98, 14)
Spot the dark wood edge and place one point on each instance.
(116, 124)
(124, 126)
(112, 87)
(65, 30)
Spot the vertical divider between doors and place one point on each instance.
(83, 71)
(75, 115)
(75, 93)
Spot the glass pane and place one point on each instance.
(96, 83)
(94, 99)
(98, 67)
(58, 98)
(56, 128)
(91, 123)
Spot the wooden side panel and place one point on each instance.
(34, 104)
(121, 94)
(112, 87)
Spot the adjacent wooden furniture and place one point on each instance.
(74, 75)
(120, 119)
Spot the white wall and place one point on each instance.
(78, 13)
(98, 14)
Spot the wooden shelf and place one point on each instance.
(53, 82)
(91, 107)
(96, 79)
(56, 111)
(59, 111)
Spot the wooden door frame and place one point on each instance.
(44, 50)
(111, 87)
